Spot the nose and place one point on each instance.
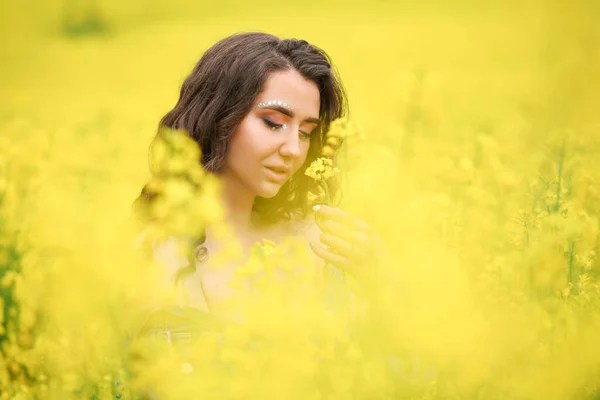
(291, 143)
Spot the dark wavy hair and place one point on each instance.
(221, 90)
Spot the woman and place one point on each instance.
(259, 107)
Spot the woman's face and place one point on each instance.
(272, 141)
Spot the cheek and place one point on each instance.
(304, 155)
(305, 150)
(248, 145)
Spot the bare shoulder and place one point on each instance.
(169, 252)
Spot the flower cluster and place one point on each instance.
(185, 197)
(261, 254)
(322, 169)
(340, 131)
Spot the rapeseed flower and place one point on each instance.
(322, 169)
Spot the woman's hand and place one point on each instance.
(347, 242)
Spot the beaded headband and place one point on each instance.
(275, 103)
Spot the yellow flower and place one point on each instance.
(339, 131)
(174, 151)
(337, 128)
(263, 249)
(327, 151)
(8, 279)
(267, 247)
(321, 169)
(257, 263)
(342, 129)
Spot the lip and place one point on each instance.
(278, 174)
(279, 169)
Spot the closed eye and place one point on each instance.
(305, 135)
(275, 125)
(271, 124)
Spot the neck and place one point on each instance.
(238, 202)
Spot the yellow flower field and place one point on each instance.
(477, 164)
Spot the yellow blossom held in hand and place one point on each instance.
(321, 169)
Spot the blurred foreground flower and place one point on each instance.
(182, 198)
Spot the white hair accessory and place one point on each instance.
(275, 103)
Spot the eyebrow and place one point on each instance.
(290, 113)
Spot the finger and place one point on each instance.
(337, 245)
(332, 213)
(329, 256)
(338, 229)
(339, 215)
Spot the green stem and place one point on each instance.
(559, 172)
(571, 257)
(326, 189)
(328, 273)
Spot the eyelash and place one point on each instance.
(272, 124)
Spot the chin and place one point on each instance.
(269, 190)
(268, 194)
